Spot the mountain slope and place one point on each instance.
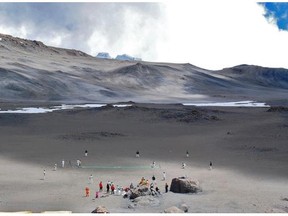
(32, 71)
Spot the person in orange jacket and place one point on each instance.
(87, 191)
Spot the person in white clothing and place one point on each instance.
(91, 179)
(63, 163)
(153, 164)
(183, 165)
(78, 163)
(164, 176)
(55, 167)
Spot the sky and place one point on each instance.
(211, 34)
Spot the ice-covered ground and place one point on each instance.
(230, 104)
(66, 106)
(30, 110)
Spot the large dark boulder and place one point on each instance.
(184, 185)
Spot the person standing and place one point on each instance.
(187, 154)
(166, 187)
(86, 153)
(55, 167)
(44, 174)
(97, 194)
(78, 163)
(87, 192)
(100, 186)
(63, 163)
(107, 187)
(112, 189)
(164, 176)
(137, 154)
(210, 165)
(153, 164)
(91, 179)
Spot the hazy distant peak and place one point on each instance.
(104, 55)
(125, 57)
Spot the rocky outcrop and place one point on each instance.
(185, 185)
(100, 209)
(140, 191)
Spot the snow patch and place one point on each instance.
(229, 104)
(31, 110)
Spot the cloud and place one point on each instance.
(207, 33)
(91, 27)
(223, 33)
(276, 13)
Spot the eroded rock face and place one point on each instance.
(100, 209)
(173, 209)
(185, 185)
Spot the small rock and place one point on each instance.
(173, 209)
(100, 209)
(130, 206)
(184, 207)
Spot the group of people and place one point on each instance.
(78, 162)
(153, 165)
(110, 189)
(125, 191)
(118, 190)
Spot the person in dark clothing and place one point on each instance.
(153, 178)
(107, 188)
(137, 153)
(166, 188)
(157, 190)
(210, 165)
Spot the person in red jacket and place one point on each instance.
(100, 186)
(112, 189)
